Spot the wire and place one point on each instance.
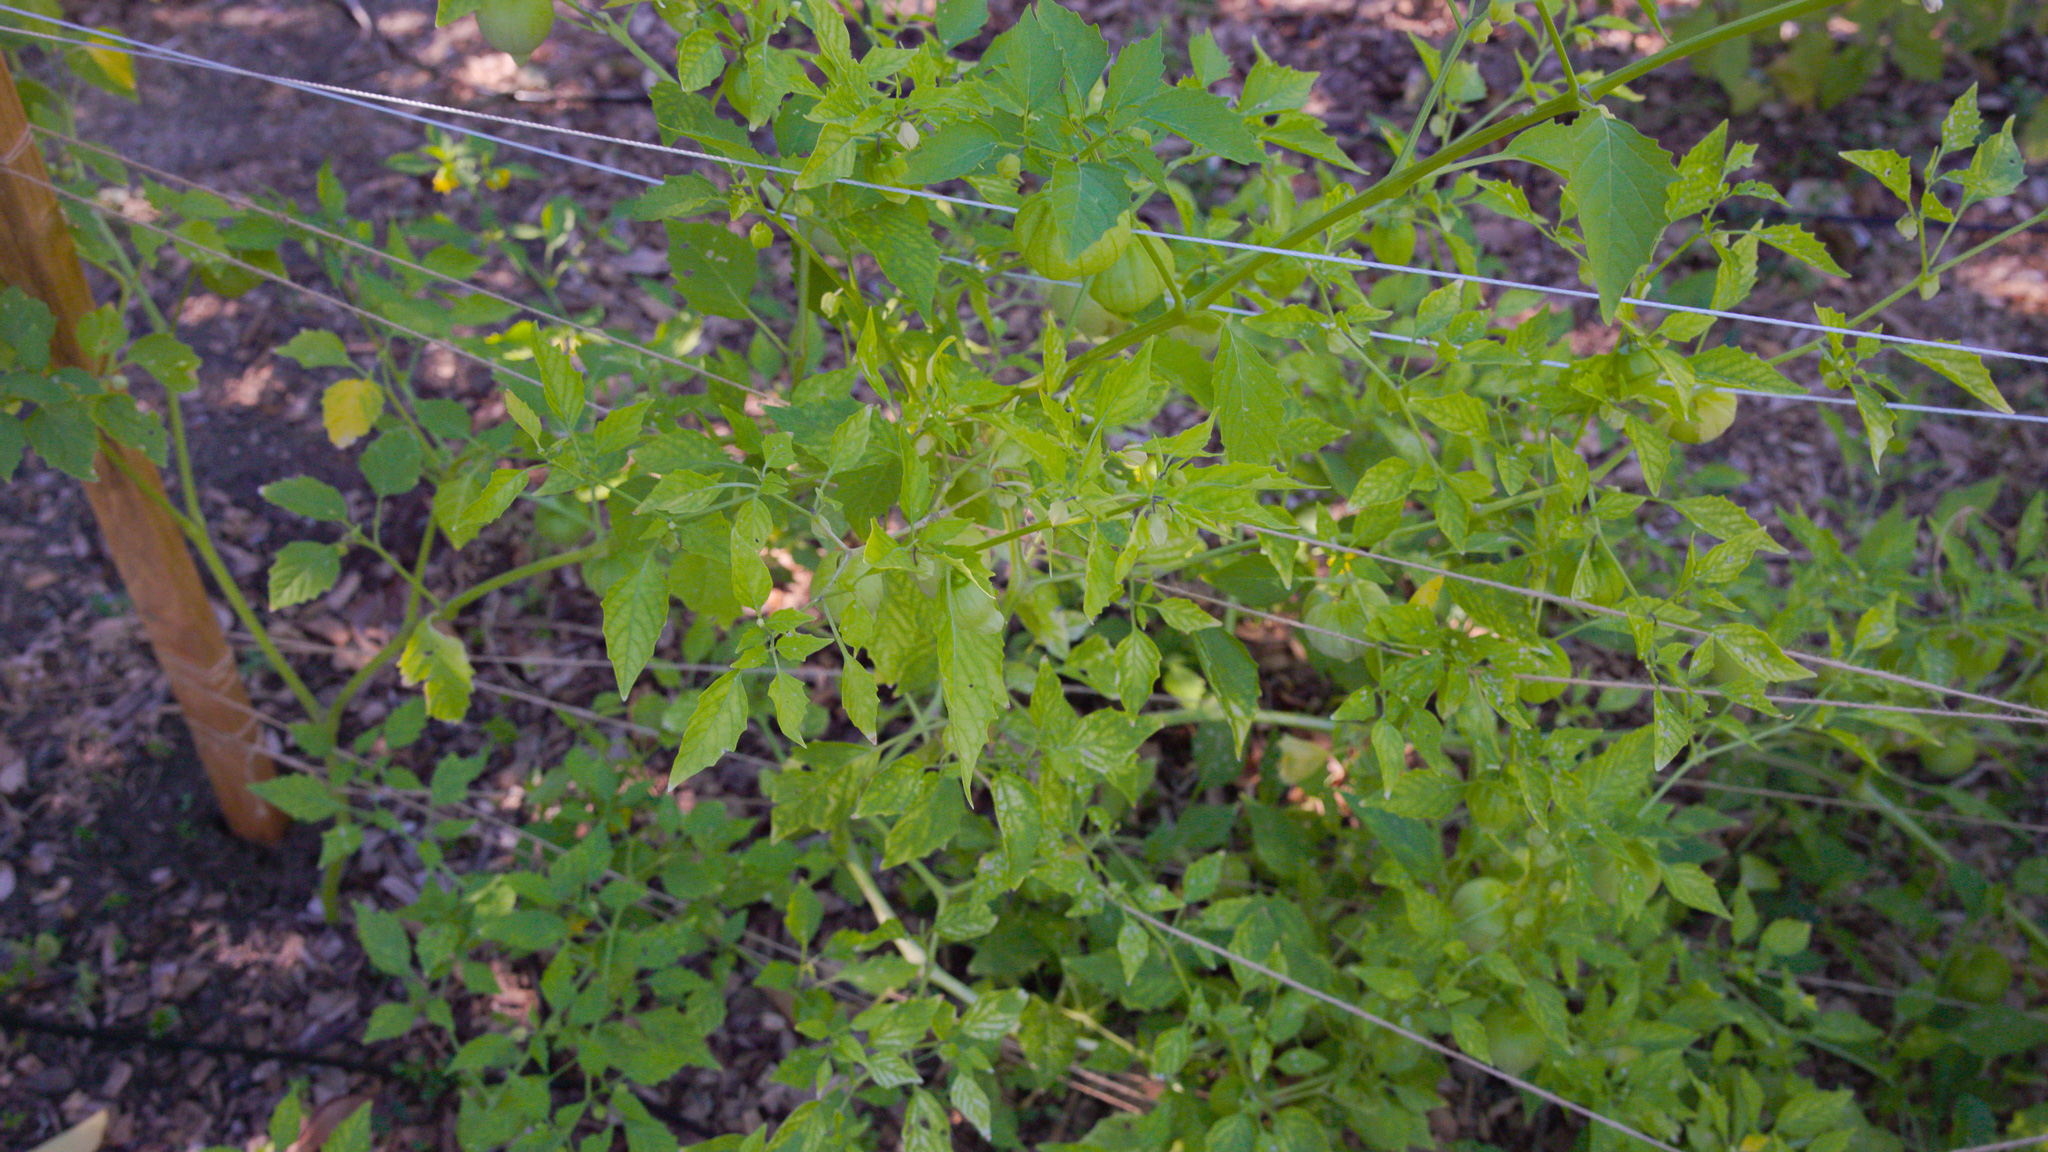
(362, 98)
(410, 265)
(2015, 711)
(315, 293)
(1351, 1009)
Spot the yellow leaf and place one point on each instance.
(349, 409)
(85, 1137)
(1428, 593)
(118, 65)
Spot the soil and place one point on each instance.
(207, 966)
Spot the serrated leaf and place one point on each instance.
(1964, 369)
(165, 357)
(951, 151)
(316, 348)
(635, 610)
(1878, 625)
(1795, 241)
(300, 796)
(971, 1101)
(714, 728)
(1693, 888)
(857, 695)
(305, 496)
(1963, 124)
(1717, 516)
(1889, 167)
(439, 661)
(302, 570)
(1756, 653)
(1248, 395)
(791, 702)
(1619, 179)
(1205, 121)
(970, 655)
(384, 940)
(901, 239)
(349, 409)
(1184, 615)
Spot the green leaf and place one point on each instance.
(953, 150)
(1087, 200)
(1274, 88)
(902, 242)
(1185, 616)
(1889, 167)
(925, 1127)
(13, 441)
(1692, 888)
(1460, 413)
(857, 695)
(1756, 653)
(1731, 367)
(302, 570)
(385, 942)
(465, 510)
(970, 651)
(714, 269)
(1786, 937)
(1248, 392)
(1303, 133)
(316, 348)
(165, 357)
(792, 704)
(1795, 241)
(969, 1099)
(1233, 676)
(1879, 624)
(714, 728)
(392, 462)
(1717, 516)
(1997, 168)
(387, 1022)
(1963, 125)
(1205, 121)
(1965, 369)
(959, 21)
(305, 496)
(300, 796)
(1619, 178)
(439, 660)
(699, 60)
(635, 610)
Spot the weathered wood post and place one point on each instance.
(149, 552)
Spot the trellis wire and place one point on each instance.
(1616, 613)
(363, 98)
(1317, 994)
(295, 222)
(1321, 257)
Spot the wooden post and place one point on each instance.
(148, 550)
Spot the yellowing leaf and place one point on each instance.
(438, 659)
(1427, 594)
(118, 65)
(349, 409)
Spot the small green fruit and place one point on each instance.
(1955, 757)
(1516, 1043)
(1480, 907)
(1042, 242)
(516, 27)
(1128, 286)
